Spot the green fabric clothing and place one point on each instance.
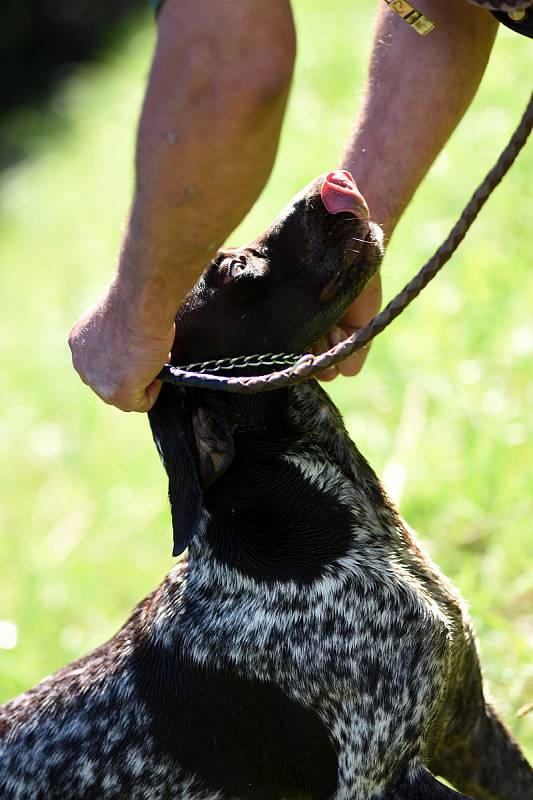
(156, 4)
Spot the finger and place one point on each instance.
(140, 401)
(333, 338)
(328, 375)
(152, 392)
(320, 346)
(365, 306)
(353, 364)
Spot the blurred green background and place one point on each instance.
(442, 409)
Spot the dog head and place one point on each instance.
(287, 287)
(279, 293)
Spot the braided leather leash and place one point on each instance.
(309, 365)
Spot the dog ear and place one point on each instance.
(214, 441)
(174, 439)
(195, 445)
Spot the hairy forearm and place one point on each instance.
(418, 90)
(207, 140)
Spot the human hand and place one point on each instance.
(360, 312)
(116, 356)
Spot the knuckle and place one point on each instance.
(71, 339)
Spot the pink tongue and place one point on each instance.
(339, 192)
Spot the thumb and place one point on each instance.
(151, 393)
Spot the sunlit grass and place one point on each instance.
(441, 409)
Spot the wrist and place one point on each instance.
(135, 310)
(155, 269)
(142, 295)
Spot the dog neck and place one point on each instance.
(297, 496)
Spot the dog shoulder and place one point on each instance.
(234, 732)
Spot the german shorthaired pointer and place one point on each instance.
(307, 647)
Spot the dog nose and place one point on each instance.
(339, 192)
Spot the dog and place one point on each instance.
(306, 647)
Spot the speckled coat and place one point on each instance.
(302, 650)
(306, 647)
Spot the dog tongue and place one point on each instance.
(339, 192)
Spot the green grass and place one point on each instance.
(443, 403)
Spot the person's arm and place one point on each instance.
(417, 92)
(207, 139)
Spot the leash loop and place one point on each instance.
(309, 365)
